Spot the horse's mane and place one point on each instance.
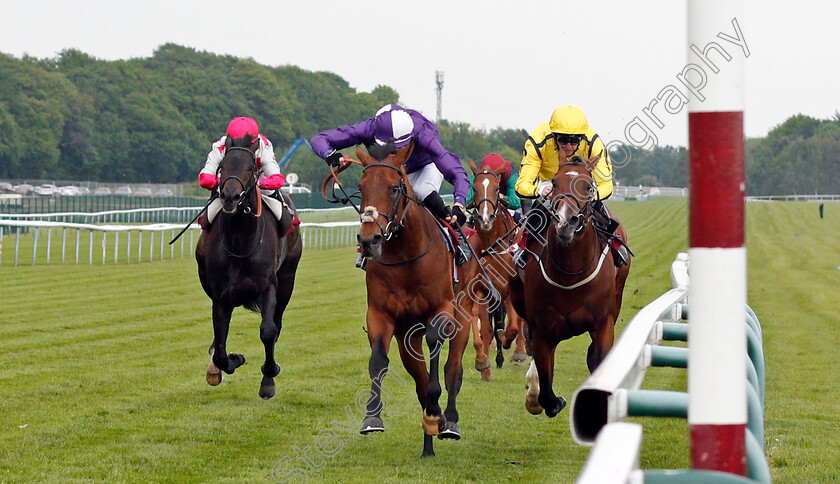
(380, 152)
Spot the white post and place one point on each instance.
(717, 411)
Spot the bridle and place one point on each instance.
(246, 187)
(393, 222)
(584, 212)
(494, 205)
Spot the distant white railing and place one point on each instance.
(794, 198)
(169, 215)
(646, 193)
(133, 248)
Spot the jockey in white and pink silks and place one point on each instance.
(270, 178)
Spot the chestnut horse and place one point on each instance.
(409, 292)
(495, 232)
(570, 285)
(244, 261)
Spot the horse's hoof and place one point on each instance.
(371, 425)
(430, 424)
(267, 392)
(519, 356)
(481, 366)
(532, 405)
(267, 388)
(450, 430)
(485, 375)
(214, 375)
(559, 405)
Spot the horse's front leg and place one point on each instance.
(457, 332)
(269, 331)
(544, 361)
(380, 331)
(218, 353)
(602, 342)
(480, 321)
(410, 344)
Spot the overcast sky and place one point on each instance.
(505, 63)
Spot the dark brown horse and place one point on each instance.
(245, 261)
(495, 233)
(570, 285)
(410, 293)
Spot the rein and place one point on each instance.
(333, 176)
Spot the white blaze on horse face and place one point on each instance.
(370, 214)
(485, 210)
(564, 212)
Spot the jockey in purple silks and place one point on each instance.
(429, 164)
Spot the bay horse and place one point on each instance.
(410, 293)
(246, 261)
(570, 284)
(495, 233)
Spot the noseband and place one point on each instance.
(393, 224)
(246, 187)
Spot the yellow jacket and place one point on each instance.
(541, 161)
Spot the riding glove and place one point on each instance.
(459, 214)
(334, 159)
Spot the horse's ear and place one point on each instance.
(363, 157)
(474, 168)
(500, 170)
(228, 142)
(255, 144)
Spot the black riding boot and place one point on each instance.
(536, 220)
(619, 250)
(435, 205)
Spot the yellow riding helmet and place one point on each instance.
(568, 120)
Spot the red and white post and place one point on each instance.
(717, 410)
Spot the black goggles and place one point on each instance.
(562, 139)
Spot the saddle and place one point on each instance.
(450, 236)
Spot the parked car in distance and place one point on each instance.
(123, 190)
(24, 188)
(163, 192)
(102, 191)
(143, 192)
(68, 191)
(46, 190)
(6, 187)
(82, 191)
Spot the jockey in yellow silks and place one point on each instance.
(568, 126)
(566, 135)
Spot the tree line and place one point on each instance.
(152, 120)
